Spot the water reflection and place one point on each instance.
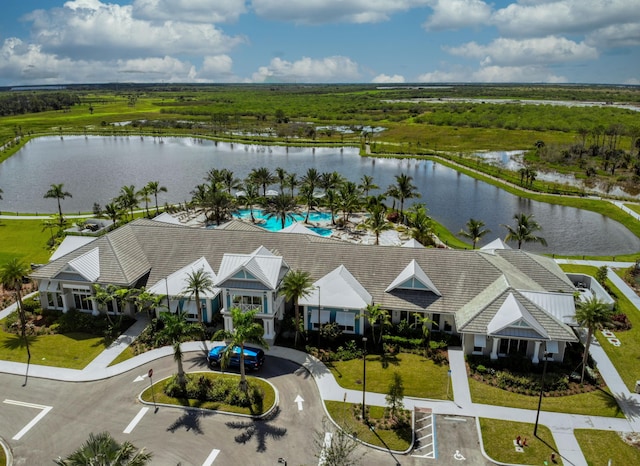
(94, 168)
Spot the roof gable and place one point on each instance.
(261, 265)
(86, 265)
(413, 277)
(340, 289)
(175, 283)
(512, 314)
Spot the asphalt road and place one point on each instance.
(70, 411)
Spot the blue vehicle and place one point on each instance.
(253, 357)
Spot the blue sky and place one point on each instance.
(319, 41)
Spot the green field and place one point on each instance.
(24, 239)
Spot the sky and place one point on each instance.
(319, 41)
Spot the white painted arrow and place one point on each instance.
(299, 400)
(140, 378)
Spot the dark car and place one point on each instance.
(253, 357)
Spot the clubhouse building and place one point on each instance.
(499, 301)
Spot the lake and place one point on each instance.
(94, 169)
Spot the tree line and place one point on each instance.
(21, 103)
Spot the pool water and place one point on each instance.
(274, 224)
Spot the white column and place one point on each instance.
(494, 349)
(228, 323)
(536, 353)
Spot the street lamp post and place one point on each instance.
(544, 372)
(364, 377)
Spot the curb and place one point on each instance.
(7, 451)
(276, 402)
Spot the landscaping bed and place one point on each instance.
(218, 392)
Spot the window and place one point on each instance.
(54, 301)
(82, 300)
(325, 318)
(346, 321)
(479, 343)
(508, 346)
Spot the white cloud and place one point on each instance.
(329, 69)
(383, 78)
(326, 11)
(455, 14)
(493, 74)
(535, 18)
(617, 35)
(216, 67)
(543, 50)
(196, 11)
(88, 29)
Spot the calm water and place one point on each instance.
(93, 169)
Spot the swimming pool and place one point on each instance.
(274, 224)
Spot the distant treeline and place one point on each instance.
(18, 104)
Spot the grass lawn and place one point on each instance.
(596, 403)
(73, 350)
(498, 437)
(343, 415)
(421, 376)
(158, 390)
(3, 457)
(23, 239)
(600, 446)
(624, 357)
(126, 354)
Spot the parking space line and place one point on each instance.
(211, 458)
(429, 447)
(34, 421)
(135, 421)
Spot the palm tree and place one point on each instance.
(57, 192)
(245, 330)
(228, 180)
(220, 203)
(146, 302)
(306, 195)
(251, 197)
(143, 195)
(349, 197)
(262, 177)
(523, 231)
(474, 232)
(103, 296)
(295, 285)
(103, 450)
(330, 180)
(11, 275)
(377, 316)
(377, 221)
(128, 199)
(155, 188)
(421, 225)
(311, 178)
(113, 211)
(292, 182)
(282, 207)
(592, 314)
(405, 190)
(177, 329)
(423, 321)
(367, 184)
(281, 176)
(198, 281)
(331, 201)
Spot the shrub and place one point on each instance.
(403, 342)
(620, 321)
(31, 305)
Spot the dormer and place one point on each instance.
(85, 267)
(413, 278)
(513, 318)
